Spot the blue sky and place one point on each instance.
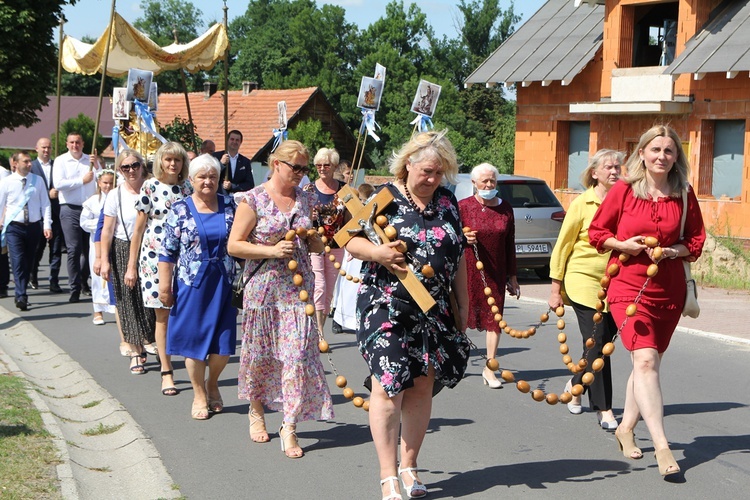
(90, 17)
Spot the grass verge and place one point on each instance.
(27, 454)
(729, 274)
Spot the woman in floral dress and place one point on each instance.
(280, 363)
(158, 194)
(407, 350)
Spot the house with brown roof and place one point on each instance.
(70, 107)
(594, 74)
(254, 112)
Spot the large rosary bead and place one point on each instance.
(551, 398)
(523, 386)
(537, 395)
(480, 265)
(597, 364)
(587, 378)
(341, 381)
(487, 291)
(292, 265)
(566, 398)
(562, 338)
(348, 393)
(613, 269)
(590, 343)
(631, 310)
(652, 270)
(492, 364)
(560, 311)
(576, 390)
(608, 349)
(310, 310)
(297, 279)
(544, 318)
(358, 402)
(650, 241)
(323, 345)
(623, 257)
(303, 295)
(427, 271)
(381, 220)
(290, 235)
(507, 376)
(390, 232)
(560, 324)
(604, 282)
(657, 253)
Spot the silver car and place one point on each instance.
(537, 212)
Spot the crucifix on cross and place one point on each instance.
(363, 220)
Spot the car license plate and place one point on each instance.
(532, 248)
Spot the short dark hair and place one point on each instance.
(235, 132)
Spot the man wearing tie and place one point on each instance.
(42, 167)
(74, 180)
(236, 171)
(25, 202)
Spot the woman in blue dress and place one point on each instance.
(202, 323)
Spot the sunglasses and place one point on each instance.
(131, 166)
(322, 165)
(304, 169)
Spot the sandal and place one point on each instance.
(258, 433)
(199, 412)
(667, 463)
(417, 488)
(393, 495)
(216, 405)
(171, 390)
(137, 368)
(289, 444)
(626, 442)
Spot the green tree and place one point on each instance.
(83, 125)
(162, 20)
(310, 133)
(179, 130)
(27, 58)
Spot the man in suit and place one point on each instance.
(4, 262)
(73, 177)
(236, 171)
(25, 204)
(42, 167)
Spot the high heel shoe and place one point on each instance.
(626, 442)
(289, 444)
(393, 495)
(666, 461)
(574, 408)
(417, 488)
(258, 433)
(608, 425)
(492, 381)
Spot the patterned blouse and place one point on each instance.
(182, 242)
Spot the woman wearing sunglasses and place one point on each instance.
(280, 363)
(329, 214)
(119, 219)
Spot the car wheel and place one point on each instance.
(542, 272)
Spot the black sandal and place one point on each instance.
(138, 368)
(169, 391)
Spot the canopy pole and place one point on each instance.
(104, 77)
(226, 83)
(59, 85)
(193, 145)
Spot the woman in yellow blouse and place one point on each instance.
(576, 269)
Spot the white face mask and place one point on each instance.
(487, 194)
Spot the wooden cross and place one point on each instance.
(365, 215)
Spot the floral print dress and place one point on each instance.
(398, 341)
(156, 200)
(280, 362)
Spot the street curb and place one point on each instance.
(729, 339)
(68, 486)
(94, 466)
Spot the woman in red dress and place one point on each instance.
(493, 231)
(649, 203)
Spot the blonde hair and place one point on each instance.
(587, 176)
(171, 149)
(131, 152)
(426, 146)
(636, 168)
(286, 152)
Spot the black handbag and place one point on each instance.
(239, 283)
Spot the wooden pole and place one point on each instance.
(104, 77)
(193, 145)
(59, 85)
(226, 94)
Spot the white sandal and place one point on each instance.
(393, 495)
(417, 489)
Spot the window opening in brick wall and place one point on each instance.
(654, 34)
(728, 154)
(578, 153)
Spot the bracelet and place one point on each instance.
(676, 253)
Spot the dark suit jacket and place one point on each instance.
(36, 168)
(242, 180)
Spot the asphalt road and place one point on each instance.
(481, 443)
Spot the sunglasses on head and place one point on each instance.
(297, 168)
(130, 166)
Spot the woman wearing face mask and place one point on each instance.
(493, 234)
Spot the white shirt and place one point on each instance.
(47, 169)
(12, 199)
(126, 221)
(68, 179)
(233, 163)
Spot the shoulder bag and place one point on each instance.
(691, 307)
